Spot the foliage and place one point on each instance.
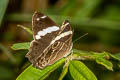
(32, 73)
(78, 70)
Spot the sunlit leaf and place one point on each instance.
(79, 71)
(105, 63)
(80, 52)
(103, 54)
(64, 71)
(116, 56)
(102, 58)
(19, 46)
(32, 73)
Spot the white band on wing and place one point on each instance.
(61, 35)
(43, 17)
(46, 31)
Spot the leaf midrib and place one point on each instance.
(79, 71)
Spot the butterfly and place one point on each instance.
(51, 42)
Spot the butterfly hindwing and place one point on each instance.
(65, 42)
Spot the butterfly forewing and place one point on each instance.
(41, 22)
(44, 31)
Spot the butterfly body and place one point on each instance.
(50, 43)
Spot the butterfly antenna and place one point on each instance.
(80, 37)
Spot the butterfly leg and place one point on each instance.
(79, 58)
(76, 58)
(68, 59)
(71, 55)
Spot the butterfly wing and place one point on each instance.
(61, 46)
(44, 31)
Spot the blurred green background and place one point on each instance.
(99, 18)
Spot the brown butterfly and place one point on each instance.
(50, 43)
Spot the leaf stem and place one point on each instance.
(65, 68)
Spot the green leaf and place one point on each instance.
(32, 73)
(80, 52)
(79, 71)
(96, 55)
(105, 63)
(19, 46)
(65, 69)
(3, 6)
(25, 28)
(102, 58)
(116, 56)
